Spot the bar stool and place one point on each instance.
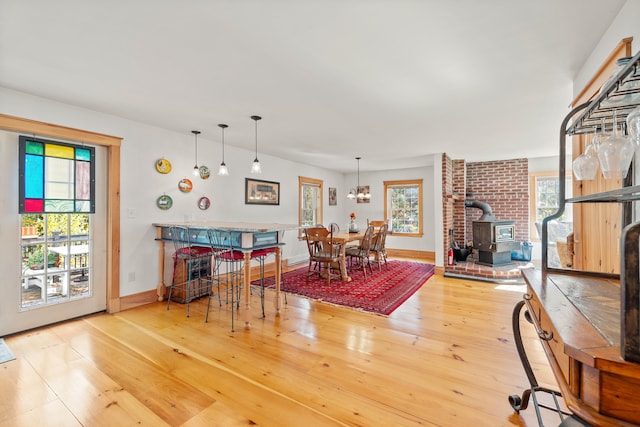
(260, 255)
(194, 259)
(229, 289)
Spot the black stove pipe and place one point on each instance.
(487, 213)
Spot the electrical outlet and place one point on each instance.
(132, 276)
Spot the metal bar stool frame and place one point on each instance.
(221, 242)
(195, 258)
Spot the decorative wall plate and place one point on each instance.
(185, 185)
(204, 172)
(164, 202)
(204, 203)
(163, 165)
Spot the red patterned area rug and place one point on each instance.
(381, 292)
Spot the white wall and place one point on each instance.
(624, 25)
(374, 210)
(141, 185)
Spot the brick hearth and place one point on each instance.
(470, 269)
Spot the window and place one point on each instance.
(403, 207)
(310, 201)
(55, 259)
(56, 196)
(55, 177)
(544, 188)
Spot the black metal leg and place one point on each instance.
(521, 403)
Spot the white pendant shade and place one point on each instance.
(223, 170)
(255, 167)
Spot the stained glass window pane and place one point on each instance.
(59, 178)
(83, 154)
(56, 177)
(83, 206)
(58, 205)
(34, 205)
(57, 150)
(33, 147)
(33, 182)
(83, 180)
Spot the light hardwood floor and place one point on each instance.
(446, 357)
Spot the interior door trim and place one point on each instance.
(112, 144)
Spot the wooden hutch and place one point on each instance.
(587, 318)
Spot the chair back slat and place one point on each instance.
(380, 238)
(365, 242)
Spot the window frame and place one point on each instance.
(304, 181)
(388, 185)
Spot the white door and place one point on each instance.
(87, 257)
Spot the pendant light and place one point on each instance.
(358, 192)
(196, 170)
(223, 167)
(255, 167)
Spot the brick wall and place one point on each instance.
(504, 185)
(460, 189)
(447, 202)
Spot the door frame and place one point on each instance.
(112, 144)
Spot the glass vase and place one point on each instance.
(615, 154)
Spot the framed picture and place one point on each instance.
(257, 192)
(333, 196)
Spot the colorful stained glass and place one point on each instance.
(57, 150)
(33, 178)
(57, 206)
(33, 147)
(33, 205)
(83, 180)
(56, 177)
(83, 206)
(83, 154)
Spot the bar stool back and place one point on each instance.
(227, 280)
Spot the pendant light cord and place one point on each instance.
(196, 132)
(256, 118)
(223, 143)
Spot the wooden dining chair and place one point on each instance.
(376, 224)
(378, 246)
(362, 252)
(325, 251)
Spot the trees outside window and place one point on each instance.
(55, 259)
(403, 207)
(544, 189)
(310, 201)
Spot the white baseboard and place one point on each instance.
(297, 259)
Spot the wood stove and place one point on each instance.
(493, 239)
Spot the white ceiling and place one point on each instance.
(392, 81)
